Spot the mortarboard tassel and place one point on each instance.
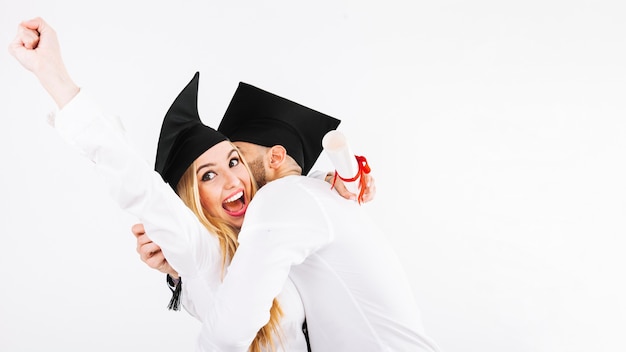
(175, 300)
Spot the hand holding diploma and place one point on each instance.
(353, 170)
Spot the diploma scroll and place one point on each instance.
(348, 167)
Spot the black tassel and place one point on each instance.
(305, 330)
(175, 300)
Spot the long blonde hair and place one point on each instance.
(187, 190)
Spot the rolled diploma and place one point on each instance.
(336, 147)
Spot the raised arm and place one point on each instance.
(132, 183)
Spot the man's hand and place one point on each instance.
(150, 253)
(340, 187)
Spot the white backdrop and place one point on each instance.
(495, 131)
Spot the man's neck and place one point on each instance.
(284, 172)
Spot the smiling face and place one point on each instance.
(223, 183)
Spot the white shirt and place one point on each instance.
(188, 246)
(355, 293)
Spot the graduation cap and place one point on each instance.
(260, 117)
(183, 136)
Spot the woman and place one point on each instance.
(203, 167)
(217, 187)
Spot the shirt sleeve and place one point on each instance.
(277, 234)
(136, 187)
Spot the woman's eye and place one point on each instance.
(207, 176)
(234, 162)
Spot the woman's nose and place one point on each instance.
(231, 179)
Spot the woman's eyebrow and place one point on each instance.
(204, 166)
(232, 151)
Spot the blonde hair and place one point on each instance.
(187, 190)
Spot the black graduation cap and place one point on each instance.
(260, 117)
(183, 136)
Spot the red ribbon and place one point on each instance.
(364, 168)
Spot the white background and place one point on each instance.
(495, 130)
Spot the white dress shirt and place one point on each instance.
(355, 292)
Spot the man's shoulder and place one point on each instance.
(283, 191)
(293, 183)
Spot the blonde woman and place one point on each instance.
(204, 169)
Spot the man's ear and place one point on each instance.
(278, 154)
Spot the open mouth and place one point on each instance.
(235, 205)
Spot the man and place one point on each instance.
(354, 290)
